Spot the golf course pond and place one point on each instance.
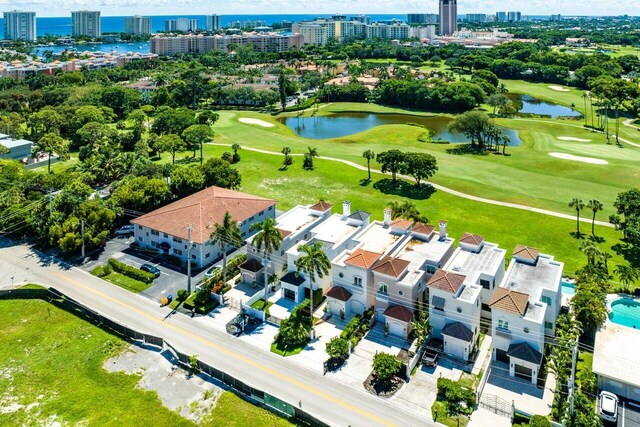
(344, 124)
(526, 104)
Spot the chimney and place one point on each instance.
(387, 216)
(443, 229)
(346, 209)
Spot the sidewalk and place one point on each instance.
(483, 418)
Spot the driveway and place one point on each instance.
(628, 414)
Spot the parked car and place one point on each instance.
(608, 406)
(126, 230)
(213, 271)
(150, 269)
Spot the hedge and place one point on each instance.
(132, 272)
(232, 271)
(454, 393)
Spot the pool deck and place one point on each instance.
(616, 350)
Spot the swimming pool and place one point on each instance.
(626, 312)
(568, 289)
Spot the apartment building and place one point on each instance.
(86, 23)
(192, 43)
(137, 25)
(19, 25)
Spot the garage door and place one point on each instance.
(396, 329)
(455, 348)
(523, 372)
(334, 307)
(501, 356)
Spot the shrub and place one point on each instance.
(98, 271)
(183, 294)
(217, 288)
(385, 365)
(193, 362)
(454, 393)
(539, 421)
(338, 347)
(351, 327)
(203, 296)
(131, 272)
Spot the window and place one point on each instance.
(503, 324)
(526, 330)
(193, 256)
(431, 269)
(485, 284)
(357, 281)
(548, 325)
(154, 244)
(341, 275)
(139, 227)
(147, 234)
(177, 240)
(165, 235)
(546, 300)
(177, 252)
(140, 238)
(383, 288)
(400, 293)
(155, 233)
(207, 255)
(270, 208)
(485, 307)
(459, 309)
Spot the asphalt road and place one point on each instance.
(326, 399)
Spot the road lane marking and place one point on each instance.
(231, 353)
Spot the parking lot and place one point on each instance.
(628, 415)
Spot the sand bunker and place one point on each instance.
(256, 122)
(558, 88)
(591, 160)
(570, 138)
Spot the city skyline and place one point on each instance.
(44, 8)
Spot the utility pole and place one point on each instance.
(50, 203)
(572, 379)
(82, 234)
(189, 259)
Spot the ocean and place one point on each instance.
(62, 26)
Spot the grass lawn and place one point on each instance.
(334, 183)
(261, 305)
(278, 348)
(440, 414)
(525, 176)
(232, 411)
(126, 282)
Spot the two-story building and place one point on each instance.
(387, 267)
(169, 229)
(335, 233)
(524, 310)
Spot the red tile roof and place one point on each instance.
(321, 206)
(508, 300)
(399, 312)
(402, 223)
(446, 281)
(526, 252)
(423, 228)
(362, 258)
(390, 266)
(339, 293)
(202, 210)
(472, 239)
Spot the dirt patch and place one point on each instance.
(558, 88)
(256, 122)
(590, 160)
(191, 396)
(570, 138)
(383, 388)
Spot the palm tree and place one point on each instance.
(506, 139)
(591, 251)
(226, 234)
(267, 240)
(420, 326)
(406, 210)
(578, 205)
(235, 148)
(586, 116)
(369, 155)
(627, 274)
(314, 263)
(595, 206)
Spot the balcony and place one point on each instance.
(504, 333)
(382, 297)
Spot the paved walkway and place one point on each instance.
(441, 188)
(483, 418)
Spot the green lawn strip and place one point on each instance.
(440, 414)
(278, 348)
(525, 176)
(53, 354)
(32, 286)
(126, 282)
(334, 182)
(260, 305)
(233, 411)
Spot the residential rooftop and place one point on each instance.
(334, 230)
(615, 353)
(418, 251)
(532, 279)
(297, 219)
(472, 264)
(378, 238)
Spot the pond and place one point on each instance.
(344, 124)
(529, 105)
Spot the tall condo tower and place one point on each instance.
(448, 17)
(86, 23)
(19, 25)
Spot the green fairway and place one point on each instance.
(335, 182)
(51, 372)
(528, 175)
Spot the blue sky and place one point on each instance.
(168, 7)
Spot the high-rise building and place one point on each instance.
(422, 18)
(312, 34)
(137, 25)
(423, 32)
(213, 23)
(19, 25)
(514, 16)
(181, 24)
(448, 17)
(501, 16)
(555, 18)
(476, 17)
(86, 23)
(362, 18)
